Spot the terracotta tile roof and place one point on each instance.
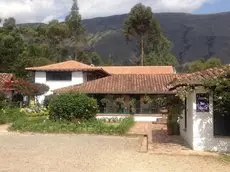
(139, 69)
(198, 78)
(70, 65)
(124, 84)
(4, 77)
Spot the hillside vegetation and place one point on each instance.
(193, 36)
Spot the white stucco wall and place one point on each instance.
(40, 77)
(136, 118)
(200, 130)
(187, 133)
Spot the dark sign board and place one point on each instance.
(202, 102)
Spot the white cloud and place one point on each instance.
(45, 10)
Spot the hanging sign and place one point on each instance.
(202, 102)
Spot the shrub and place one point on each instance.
(48, 99)
(44, 125)
(3, 100)
(73, 106)
(10, 115)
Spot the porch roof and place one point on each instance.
(124, 84)
(197, 78)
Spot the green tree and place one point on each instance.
(213, 62)
(74, 20)
(96, 59)
(77, 32)
(138, 24)
(31, 56)
(11, 45)
(9, 23)
(84, 58)
(155, 47)
(160, 52)
(196, 65)
(56, 31)
(201, 64)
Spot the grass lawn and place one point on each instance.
(44, 125)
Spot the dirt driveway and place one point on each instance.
(33, 153)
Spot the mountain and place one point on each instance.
(193, 36)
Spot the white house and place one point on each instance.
(124, 81)
(64, 74)
(200, 126)
(72, 73)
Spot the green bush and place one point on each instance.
(10, 115)
(3, 100)
(48, 99)
(73, 106)
(45, 125)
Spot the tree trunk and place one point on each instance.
(75, 56)
(142, 51)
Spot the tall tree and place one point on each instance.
(138, 24)
(159, 52)
(77, 31)
(74, 20)
(11, 45)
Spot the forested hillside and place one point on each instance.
(193, 36)
(101, 41)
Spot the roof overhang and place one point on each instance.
(197, 78)
(124, 84)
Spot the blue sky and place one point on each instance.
(26, 11)
(215, 7)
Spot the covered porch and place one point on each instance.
(118, 96)
(149, 107)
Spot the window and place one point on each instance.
(58, 76)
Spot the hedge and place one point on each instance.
(72, 107)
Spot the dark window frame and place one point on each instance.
(58, 76)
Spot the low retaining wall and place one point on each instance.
(137, 117)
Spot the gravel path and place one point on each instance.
(83, 153)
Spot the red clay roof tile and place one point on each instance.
(139, 69)
(124, 84)
(197, 78)
(72, 65)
